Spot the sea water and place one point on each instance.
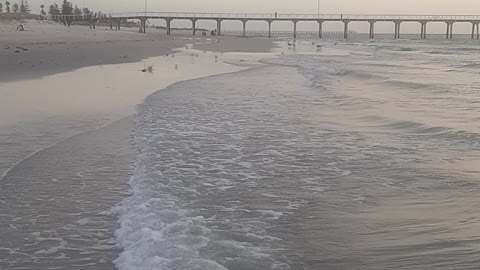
(348, 155)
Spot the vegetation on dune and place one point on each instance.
(22, 7)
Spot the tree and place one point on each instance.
(77, 11)
(42, 11)
(86, 11)
(1, 7)
(15, 8)
(24, 8)
(67, 8)
(7, 6)
(54, 10)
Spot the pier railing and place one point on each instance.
(313, 17)
(117, 19)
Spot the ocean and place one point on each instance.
(363, 155)
(348, 155)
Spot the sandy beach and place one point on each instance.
(47, 48)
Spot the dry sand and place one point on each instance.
(47, 48)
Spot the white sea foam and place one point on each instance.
(181, 212)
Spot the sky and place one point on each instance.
(284, 6)
(420, 7)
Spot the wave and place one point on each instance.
(473, 66)
(452, 50)
(408, 85)
(442, 133)
(357, 74)
(396, 48)
(437, 52)
(418, 128)
(465, 49)
(180, 213)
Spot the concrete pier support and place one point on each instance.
(473, 30)
(475, 26)
(478, 30)
(450, 29)
(244, 27)
(372, 29)
(345, 28)
(397, 29)
(423, 31)
(219, 27)
(295, 29)
(269, 28)
(143, 25)
(169, 26)
(194, 26)
(320, 28)
(118, 25)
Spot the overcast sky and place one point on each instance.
(437, 7)
(284, 6)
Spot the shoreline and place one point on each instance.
(46, 48)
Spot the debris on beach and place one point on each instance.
(149, 69)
